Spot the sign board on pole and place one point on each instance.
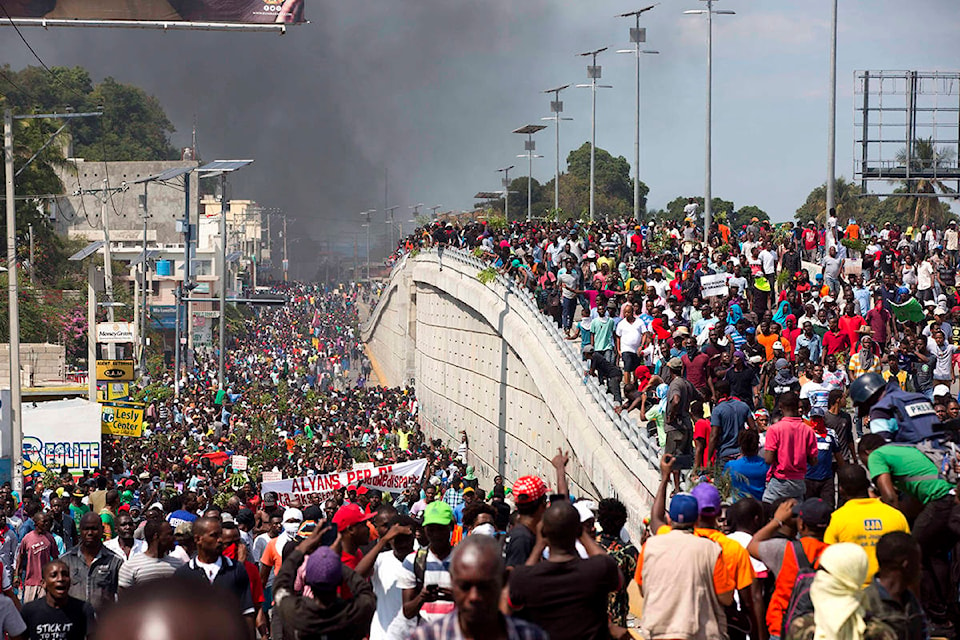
(239, 463)
(110, 391)
(122, 419)
(115, 370)
(61, 433)
(272, 476)
(114, 332)
(714, 285)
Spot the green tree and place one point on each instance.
(719, 206)
(133, 126)
(745, 214)
(613, 186)
(924, 157)
(849, 204)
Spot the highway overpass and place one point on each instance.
(485, 360)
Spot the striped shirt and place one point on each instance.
(448, 628)
(140, 568)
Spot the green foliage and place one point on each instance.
(719, 207)
(613, 194)
(487, 275)
(744, 215)
(496, 222)
(917, 209)
(849, 204)
(133, 126)
(719, 478)
(854, 244)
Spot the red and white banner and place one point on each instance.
(391, 477)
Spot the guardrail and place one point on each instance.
(572, 362)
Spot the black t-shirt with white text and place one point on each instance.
(72, 622)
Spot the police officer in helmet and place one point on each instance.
(898, 415)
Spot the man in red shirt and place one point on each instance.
(789, 447)
(834, 340)
(36, 549)
(351, 524)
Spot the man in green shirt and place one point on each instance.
(903, 468)
(601, 334)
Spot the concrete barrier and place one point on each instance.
(485, 360)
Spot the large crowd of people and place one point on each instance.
(800, 387)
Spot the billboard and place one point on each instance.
(61, 433)
(122, 419)
(227, 11)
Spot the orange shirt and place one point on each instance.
(723, 581)
(735, 558)
(853, 231)
(786, 578)
(272, 556)
(767, 342)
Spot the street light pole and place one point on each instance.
(708, 195)
(637, 37)
(506, 192)
(221, 365)
(832, 119)
(530, 146)
(593, 72)
(556, 107)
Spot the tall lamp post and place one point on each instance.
(637, 36)
(220, 168)
(506, 192)
(593, 72)
(556, 107)
(708, 194)
(368, 213)
(832, 119)
(529, 146)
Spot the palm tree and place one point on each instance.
(924, 158)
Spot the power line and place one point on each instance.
(17, 86)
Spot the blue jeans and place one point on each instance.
(568, 307)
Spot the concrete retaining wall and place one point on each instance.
(484, 362)
(39, 364)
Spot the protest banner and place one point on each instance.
(239, 463)
(391, 477)
(272, 476)
(715, 285)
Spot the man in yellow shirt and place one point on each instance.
(862, 520)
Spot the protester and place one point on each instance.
(57, 615)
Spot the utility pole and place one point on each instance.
(593, 72)
(637, 37)
(221, 370)
(142, 327)
(506, 192)
(556, 107)
(13, 307)
(13, 301)
(33, 269)
(286, 262)
(104, 193)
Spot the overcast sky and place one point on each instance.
(431, 89)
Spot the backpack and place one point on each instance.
(800, 602)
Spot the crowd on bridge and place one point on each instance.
(804, 373)
(778, 515)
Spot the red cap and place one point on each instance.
(362, 490)
(349, 515)
(351, 487)
(529, 489)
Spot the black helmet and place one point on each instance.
(865, 387)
